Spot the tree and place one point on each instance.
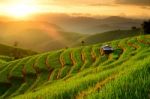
(15, 44)
(15, 52)
(133, 27)
(82, 42)
(146, 27)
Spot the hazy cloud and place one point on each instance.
(77, 2)
(134, 2)
(84, 2)
(107, 4)
(98, 2)
(145, 7)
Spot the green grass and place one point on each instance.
(133, 82)
(2, 62)
(87, 57)
(16, 71)
(8, 52)
(77, 60)
(54, 59)
(81, 73)
(108, 36)
(6, 58)
(42, 70)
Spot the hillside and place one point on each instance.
(36, 35)
(7, 53)
(108, 36)
(90, 24)
(81, 73)
(44, 34)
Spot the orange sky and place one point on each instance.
(136, 8)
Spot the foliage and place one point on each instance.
(146, 27)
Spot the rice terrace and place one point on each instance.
(81, 73)
(74, 49)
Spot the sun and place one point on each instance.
(20, 11)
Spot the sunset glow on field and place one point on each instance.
(74, 49)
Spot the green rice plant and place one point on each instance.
(128, 50)
(63, 72)
(144, 38)
(81, 73)
(30, 76)
(30, 79)
(15, 85)
(53, 59)
(2, 63)
(29, 66)
(135, 83)
(113, 56)
(54, 74)
(77, 58)
(66, 62)
(5, 84)
(6, 70)
(99, 58)
(6, 58)
(87, 57)
(96, 51)
(40, 62)
(17, 70)
(143, 42)
(16, 77)
(65, 58)
(71, 87)
(42, 69)
(29, 73)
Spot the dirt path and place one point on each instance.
(97, 87)
(144, 42)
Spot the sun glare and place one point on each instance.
(20, 11)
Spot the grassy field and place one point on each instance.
(108, 36)
(81, 73)
(8, 53)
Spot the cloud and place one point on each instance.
(145, 7)
(84, 2)
(103, 4)
(96, 2)
(134, 2)
(76, 2)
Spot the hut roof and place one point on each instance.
(107, 47)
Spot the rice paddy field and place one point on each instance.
(81, 73)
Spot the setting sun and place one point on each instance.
(20, 11)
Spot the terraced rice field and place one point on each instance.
(81, 73)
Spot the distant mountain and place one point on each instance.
(55, 31)
(86, 25)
